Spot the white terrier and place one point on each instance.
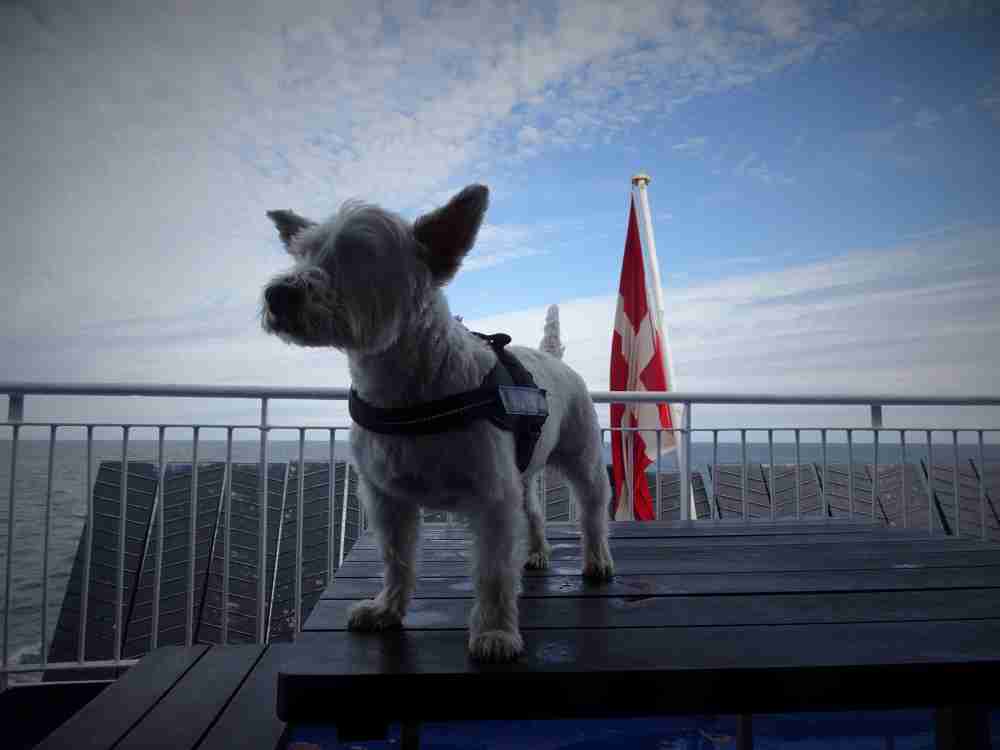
(369, 283)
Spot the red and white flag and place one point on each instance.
(637, 364)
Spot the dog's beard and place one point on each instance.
(306, 327)
(315, 326)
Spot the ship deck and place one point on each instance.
(702, 617)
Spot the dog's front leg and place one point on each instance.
(494, 635)
(396, 524)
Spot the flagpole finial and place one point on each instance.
(641, 179)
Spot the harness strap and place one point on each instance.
(459, 409)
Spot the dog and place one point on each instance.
(369, 283)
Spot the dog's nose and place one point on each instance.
(282, 298)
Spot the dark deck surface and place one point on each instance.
(701, 617)
(179, 698)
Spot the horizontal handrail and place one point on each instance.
(23, 388)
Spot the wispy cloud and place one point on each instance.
(503, 243)
(753, 166)
(694, 144)
(989, 97)
(926, 118)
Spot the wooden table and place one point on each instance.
(701, 617)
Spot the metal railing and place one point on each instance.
(15, 423)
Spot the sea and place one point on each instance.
(68, 508)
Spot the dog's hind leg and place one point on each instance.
(538, 548)
(494, 635)
(397, 529)
(592, 492)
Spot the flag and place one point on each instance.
(637, 364)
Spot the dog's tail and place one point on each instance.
(551, 342)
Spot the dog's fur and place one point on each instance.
(369, 283)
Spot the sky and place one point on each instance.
(824, 182)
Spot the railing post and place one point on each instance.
(15, 407)
(343, 510)
(11, 517)
(687, 497)
(189, 626)
(262, 529)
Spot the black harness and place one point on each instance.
(508, 397)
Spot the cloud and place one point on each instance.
(989, 97)
(529, 135)
(746, 162)
(782, 19)
(694, 144)
(753, 166)
(919, 318)
(503, 243)
(926, 118)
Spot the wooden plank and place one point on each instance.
(104, 721)
(686, 560)
(251, 715)
(367, 550)
(696, 611)
(680, 584)
(184, 714)
(647, 529)
(427, 675)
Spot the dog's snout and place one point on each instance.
(282, 298)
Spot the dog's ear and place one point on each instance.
(448, 233)
(289, 224)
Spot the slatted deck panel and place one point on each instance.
(174, 598)
(782, 487)
(974, 511)
(727, 481)
(670, 490)
(700, 617)
(105, 552)
(202, 604)
(902, 497)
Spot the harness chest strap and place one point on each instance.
(523, 412)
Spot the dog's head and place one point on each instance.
(362, 276)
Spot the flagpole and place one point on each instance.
(639, 183)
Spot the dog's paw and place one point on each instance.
(538, 559)
(370, 616)
(496, 646)
(599, 565)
